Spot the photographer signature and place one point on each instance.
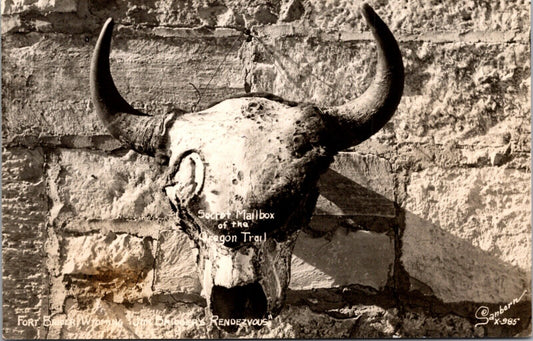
(483, 313)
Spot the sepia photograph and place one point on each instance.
(266, 169)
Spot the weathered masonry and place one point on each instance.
(415, 229)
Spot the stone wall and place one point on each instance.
(415, 230)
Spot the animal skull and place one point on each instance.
(242, 175)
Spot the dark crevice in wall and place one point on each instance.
(50, 229)
(324, 300)
(74, 23)
(177, 298)
(400, 278)
(61, 23)
(94, 142)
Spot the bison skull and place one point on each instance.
(242, 175)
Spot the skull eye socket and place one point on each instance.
(300, 145)
(186, 180)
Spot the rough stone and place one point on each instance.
(93, 186)
(57, 79)
(492, 94)
(291, 10)
(419, 325)
(106, 320)
(24, 209)
(11, 24)
(23, 6)
(117, 267)
(175, 270)
(357, 191)
(456, 157)
(301, 322)
(363, 321)
(489, 208)
(262, 15)
(479, 236)
(454, 270)
(120, 254)
(415, 17)
(209, 14)
(342, 259)
(452, 91)
(404, 17)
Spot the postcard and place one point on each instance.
(288, 169)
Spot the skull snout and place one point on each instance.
(241, 302)
(236, 294)
(245, 285)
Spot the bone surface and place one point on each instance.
(242, 175)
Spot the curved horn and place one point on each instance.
(357, 120)
(143, 133)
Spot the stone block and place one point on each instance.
(95, 186)
(24, 210)
(457, 92)
(155, 75)
(357, 184)
(357, 191)
(108, 320)
(416, 157)
(427, 20)
(117, 267)
(175, 267)
(44, 6)
(454, 91)
(419, 17)
(467, 233)
(485, 206)
(344, 258)
(120, 254)
(291, 10)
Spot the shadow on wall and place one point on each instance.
(360, 248)
(424, 265)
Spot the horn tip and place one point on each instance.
(368, 12)
(108, 23)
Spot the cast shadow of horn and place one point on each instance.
(380, 253)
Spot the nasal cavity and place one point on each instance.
(246, 301)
